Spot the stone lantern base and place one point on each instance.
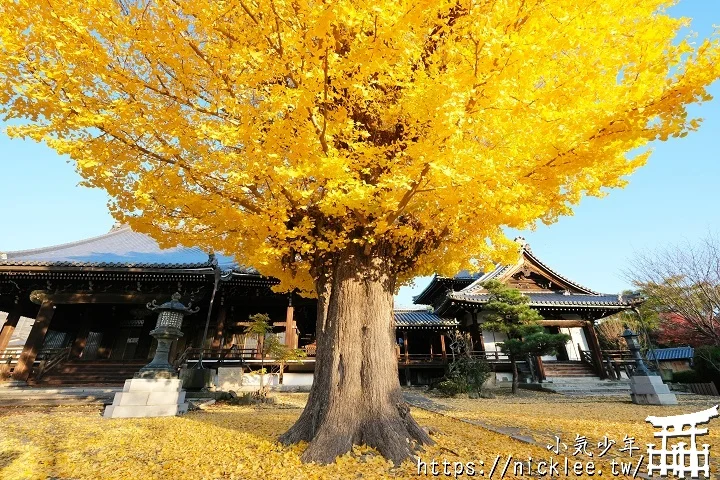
(148, 397)
(650, 390)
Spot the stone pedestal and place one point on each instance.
(148, 397)
(650, 390)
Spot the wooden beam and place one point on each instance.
(442, 347)
(40, 296)
(220, 328)
(589, 329)
(8, 327)
(562, 323)
(34, 342)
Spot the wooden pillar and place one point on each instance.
(78, 344)
(109, 334)
(595, 348)
(144, 345)
(217, 342)
(8, 327)
(34, 341)
(407, 359)
(442, 347)
(290, 336)
(476, 332)
(541, 369)
(405, 345)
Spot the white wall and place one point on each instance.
(22, 330)
(577, 336)
(491, 340)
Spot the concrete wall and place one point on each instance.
(234, 378)
(491, 340)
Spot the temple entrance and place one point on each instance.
(91, 346)
(126, 344)
(562, 353)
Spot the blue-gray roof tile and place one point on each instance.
(422, 319)
(551, 299)
(676, 353)
(121, 247)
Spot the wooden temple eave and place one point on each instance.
(434, 328)
(438, 286)
(87, 269)
(40, 296)
(451, 307)
(563, 323)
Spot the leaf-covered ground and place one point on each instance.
(545, 416)
(239, 442)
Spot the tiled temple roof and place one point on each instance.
(440, 284)
(422, 319)
(541, 299)
(119, 248)
(676, 353)
(526, 255)
(559, 292)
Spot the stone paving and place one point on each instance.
(417, 399)
(39, 396)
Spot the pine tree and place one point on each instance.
(508, 312)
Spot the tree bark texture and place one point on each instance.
(515, 376)
(355, 397)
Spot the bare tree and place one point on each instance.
(684, 279)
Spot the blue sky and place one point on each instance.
(672, 199)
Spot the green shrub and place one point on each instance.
(688, 376)
(451, 387)
(465, 375)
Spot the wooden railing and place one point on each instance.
(49, 359)
(617, 361)
(216, 355)
(492, 357)
(586, 356)
(233, 355)
(10, 355)
(420, 358)
(8, 359)
(430, 358)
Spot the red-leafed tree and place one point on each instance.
(676, 330)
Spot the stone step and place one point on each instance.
(134, 411)
(90, 373)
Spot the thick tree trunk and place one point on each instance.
(515, 376)
(356, 398)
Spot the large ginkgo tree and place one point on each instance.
(346, 146)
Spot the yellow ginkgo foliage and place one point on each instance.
(346, 146)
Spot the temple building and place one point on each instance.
(82, 309)
(566, 307)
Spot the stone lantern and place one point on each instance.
(167, 329)
(156, 390)
(631, 338)
(647, 387)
